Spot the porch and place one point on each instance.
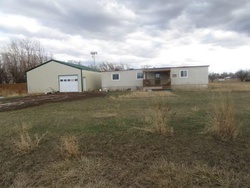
(157, 79)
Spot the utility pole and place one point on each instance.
(93, 55)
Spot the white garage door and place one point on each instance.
(68, 83)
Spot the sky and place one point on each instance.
(137, 33)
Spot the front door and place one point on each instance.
(157, 79)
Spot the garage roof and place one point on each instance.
(81, 67)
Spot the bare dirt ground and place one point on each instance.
(8, 104)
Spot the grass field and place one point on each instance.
(110, 142)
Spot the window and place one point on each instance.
(183, 73)
(115, 77)
(174, 75)
(157, 75)
(139, 75)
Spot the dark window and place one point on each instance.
(184, 74)
(139, 75)
(115, 76)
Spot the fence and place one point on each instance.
(13, 89)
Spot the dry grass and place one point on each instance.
(104, 115)
(70, 147)
(168, 174)
(26, 143)
(83, 172)
(21, 181)
(229, 86)
(143, 94)
(158, 119)
(221, 119)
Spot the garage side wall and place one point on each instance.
(197, 77)
(45, 78)
(93, 80)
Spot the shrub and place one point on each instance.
(222, 121)
(158, 119)
(26, 143)
(70, 146)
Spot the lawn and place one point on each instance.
(108, 142)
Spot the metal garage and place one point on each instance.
(53, 76)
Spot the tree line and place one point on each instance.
(242, 75)
(19, 56)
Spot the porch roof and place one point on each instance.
(157, 70)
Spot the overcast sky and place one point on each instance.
(135, 32)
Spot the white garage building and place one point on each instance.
(60, 76)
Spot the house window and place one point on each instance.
(174, 75)
(139, 75)
(115, 77)
(183, 73)
(157, 75)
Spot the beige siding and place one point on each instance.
(93, 80)
(197, 77)
(45, 77)
(127, 80)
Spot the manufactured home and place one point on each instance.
(156, 78)
(53, 76)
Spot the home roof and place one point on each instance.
(159, 68)
(169, 68)
(81, 67)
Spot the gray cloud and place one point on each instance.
(99, 19)
(131, 30)
(221, 14)
(88, 18)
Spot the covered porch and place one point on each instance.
(157, 79)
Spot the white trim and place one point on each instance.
(112, 77)
(183, 76)
(137, 75)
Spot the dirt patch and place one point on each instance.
(8, 104)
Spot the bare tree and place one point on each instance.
(242, 75)
(75, 62)
(213, 76)
(22, 55)
(146, 66)
(108, 66)
(2, 72)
